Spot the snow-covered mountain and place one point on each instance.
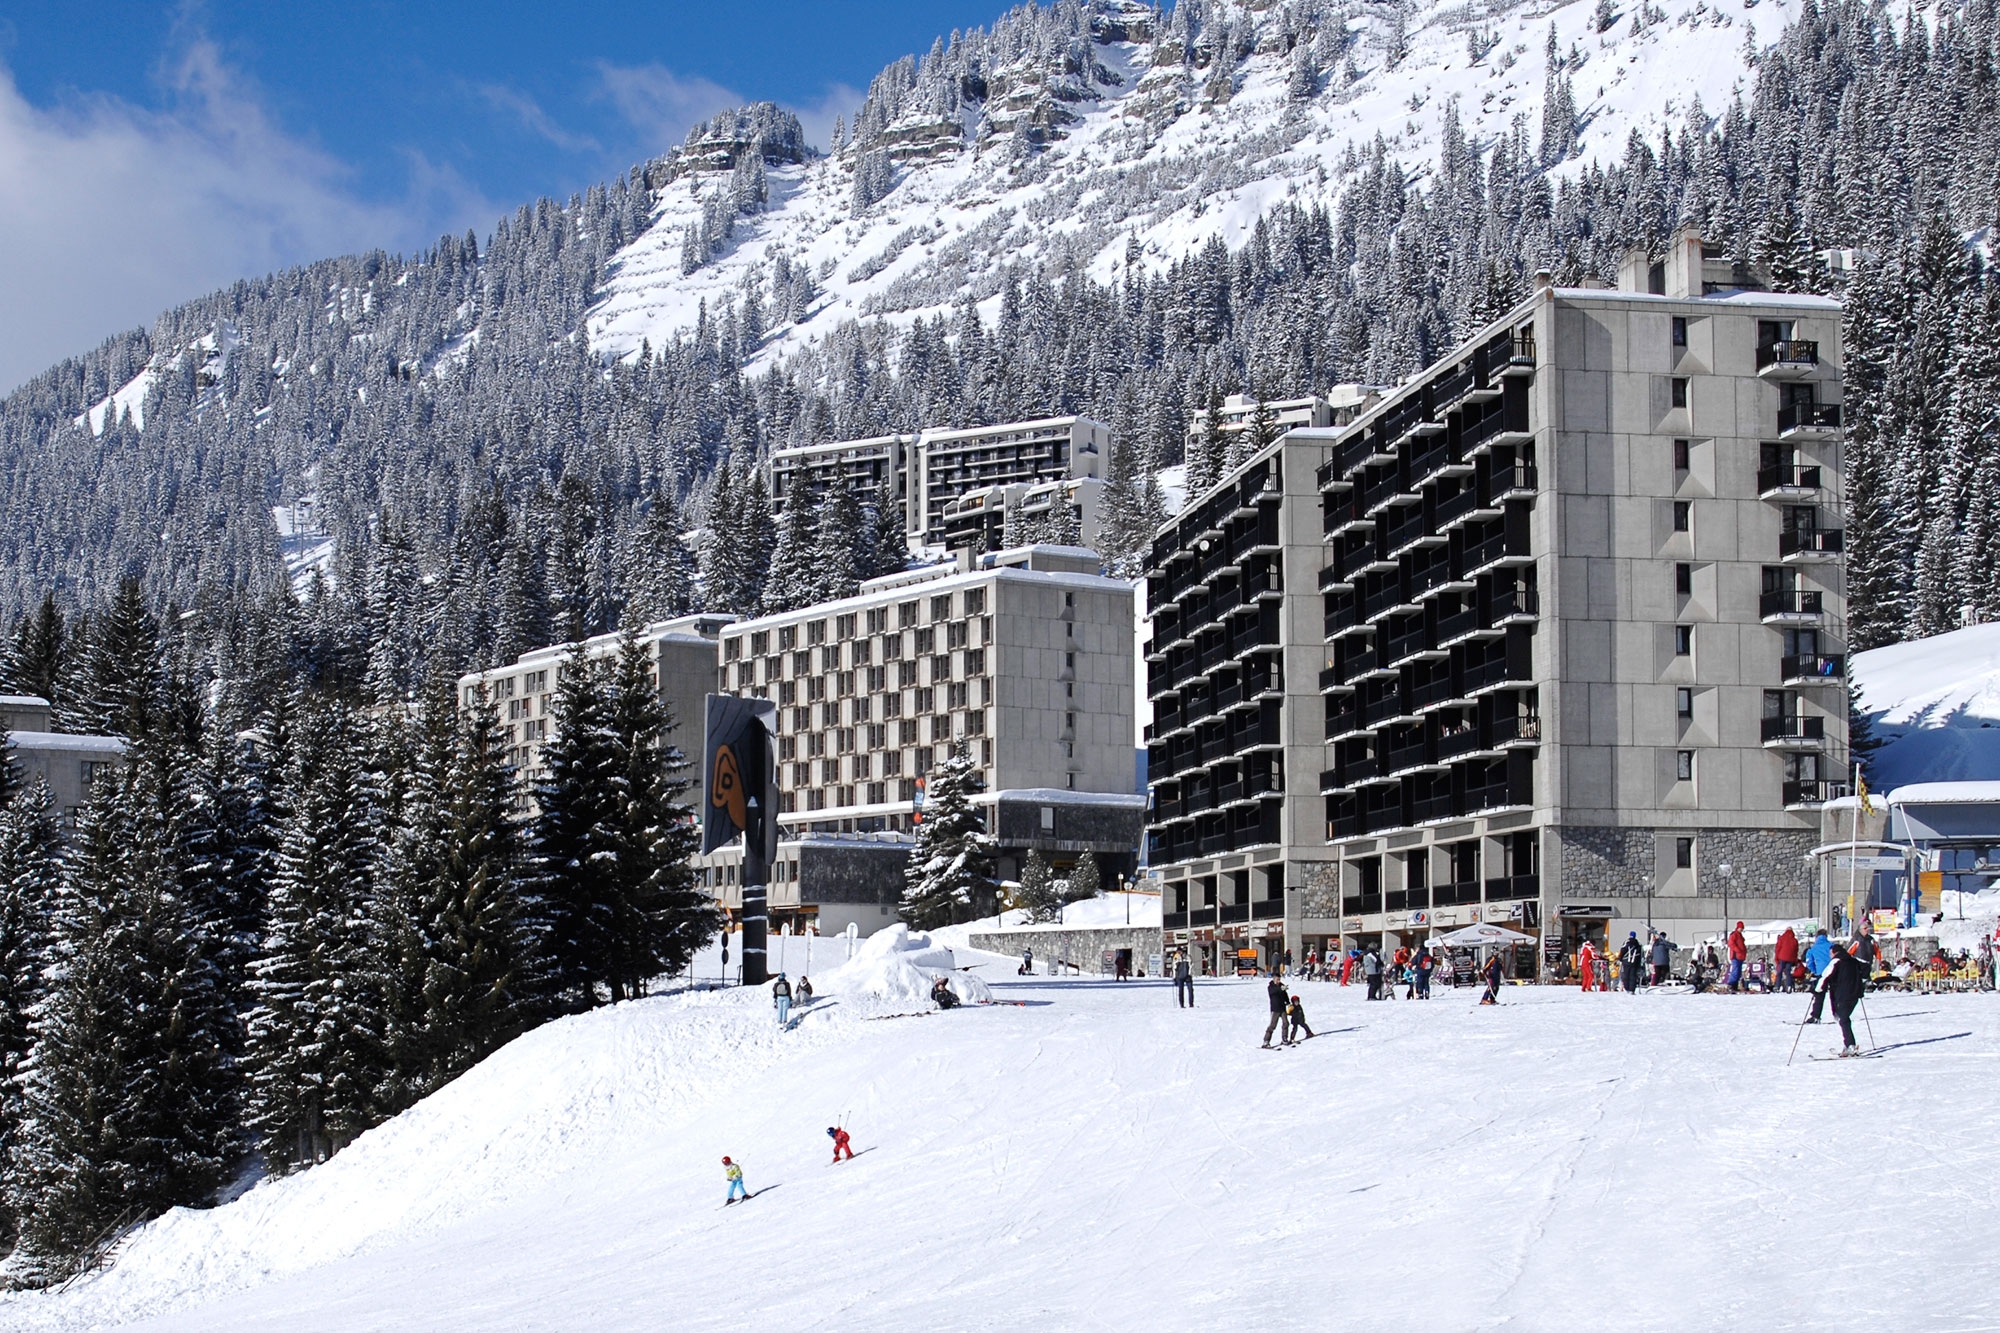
(1141, 135)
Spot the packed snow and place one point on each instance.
(1086, 1155)
(1935, 706)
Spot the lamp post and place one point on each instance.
(1726, 870)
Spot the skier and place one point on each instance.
(1785, 958)
(1865, 950)
(1630, 955)
(1183, 982)
(1295, 1021)
(1347, 963)
(1586, 966)
(1661, 956)
(1739, 952)
(1371, 968)
(1492, 995)
(840, 1145)
(1280, 999)
(734, 1174)
(942, 993)
(781, 997)
(1846, 978)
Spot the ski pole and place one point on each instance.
(1795, 1044)
(1863, 1002)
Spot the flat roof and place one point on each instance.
(62, 740)
(1946, 793)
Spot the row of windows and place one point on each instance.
(948, 609)
(874, 679)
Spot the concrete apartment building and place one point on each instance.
(69, 764)
(1582, 625)
(1239, 412)
(1024, 657)
(682, 653)
(876, 470)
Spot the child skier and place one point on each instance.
(1295, 1021)
(734, 1174)
(839, 1137)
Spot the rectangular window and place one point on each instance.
(732, 649)
(816, 633)
(1684, 703)
(1683, 515)
(940, 608)
(1680, 391)
(1683, 455)
(829, 657)
(863, 709)
(906, 674)
(1684, 765)
(846, 679)
(975, 661)
(815, 689)
(802, 663)
(926, 642)
(975, 601)
(1680, 331)
(940, 668)
(926, 701)
(906, 615)
(788, 693)
(878, 679)
(876, 794)
(1683, 853)
(844, 625)
(878, 620)
(892, 647)
(760, 643)
(788, 638)
(954, 634)
(906, 731)
(1684, 578)
(925, 758)
(975, 722)
(1683, 640)
(860, 653)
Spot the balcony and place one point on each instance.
(1457, 742)
(1787, 483)
(1515, 606)
(1454, 507)
(1327, 477)
(1412, 758)
(1790, 606)
(1459, 625)
(1521, 355)
(1808, 546)
(1808, 792)
(1513, 886)
(1790, 359)
(1497, 551)
(1793, 732)
(1813, 668)
(1516, 729)
(1809, 421)
(1515, 481)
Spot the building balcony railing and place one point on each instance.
(1514, 606)
(1812, 668)
(1790, 606)
(1787, 483)
(1454, 507)
(1502, 548)
(1806, 545)
(1788, 359)
(1812, 791)
(1521, 356)
(1793, 732)
(1808, 421)
(1455, 894)
(1514, 481)
(1457, 742)
(1510, 729)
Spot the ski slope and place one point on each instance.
(1935, 706)
(1092, 1157)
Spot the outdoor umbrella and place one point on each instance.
(1483, 933)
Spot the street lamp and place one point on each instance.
(1726, 870)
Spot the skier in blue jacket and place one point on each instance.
(1819, 954)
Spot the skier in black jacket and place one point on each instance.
(1846, 978)
(1631, 954)
(1281, 999)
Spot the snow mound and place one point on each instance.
(896, 968)
(1935, 706)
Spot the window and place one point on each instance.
(1683, 640)
(788, 693)
(940, 608)
(975, 661)
(975, 601)
(926, 642)
(878, 620)
(878, 679)
(1069, 601)
(906, 674)
(926, 701)
(760, 643)
(940, 668)
(844, 625)
(860, 652)
(1684, 851)
(1683, 765)
(788, 638)
(829, 657)
(816, 632)
(862, 710)
(1684, 703)
(1680, 332)
(802, 663)
(1684, 578)
(955, 634)
(878, 736)
(906, 731)
(1680, 391)
(731, 650)
(1683, 515)
(906, 615)
(1683, 454)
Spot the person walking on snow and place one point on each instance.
(1785, 958)
(1280, 1001)
(781, 997)
(1819, 956)
(734, 1175)
(1492, 995)
(1586, 966)
(1295, 1021)
(839, 1137)
(1371, 968)
(1426, 961)
(1183, 983)
(1738, 953)
(1631, 954)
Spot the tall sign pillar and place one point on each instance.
(739, 758)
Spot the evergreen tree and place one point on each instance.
(316, 1035)
(1085, 880)
(1129, 511)
(123, 679)
(793, 581)
(661, 568)
(30, 846)
(129, 1094)
(34, 662)
(949, 877)
(1037, 895)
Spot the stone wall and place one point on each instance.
(1084, 947)
(1764, 863)
(1606, 862)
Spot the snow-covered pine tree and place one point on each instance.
(660, 570)
(129, 1097)
(793, 580)
(1129, 511)
(122, 676)
(1036, 895)
(573, 876)
(30, 880)
(1085, 880)
(316, 1036)
(950, 875)
(842, 539)
(35, 657)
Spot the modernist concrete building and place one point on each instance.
(69, 764)
(683, 660)
(876, 470)
(1239, 412)
(1582, 625)
(1023, 657)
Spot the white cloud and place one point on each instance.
(115, 212)
(661, 104)
(839, 100)
(535, 120)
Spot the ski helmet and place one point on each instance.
(725, 1161)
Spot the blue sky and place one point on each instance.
(152, 152)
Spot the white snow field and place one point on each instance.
(1935, 705)
(1092, 1157)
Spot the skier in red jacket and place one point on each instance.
(839, 1137)
(1785, 956)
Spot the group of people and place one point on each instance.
(783, 993)
(732, 1171)
(1286, 1010)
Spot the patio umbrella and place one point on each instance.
(1483, 933)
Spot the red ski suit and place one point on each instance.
(840, 1144)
